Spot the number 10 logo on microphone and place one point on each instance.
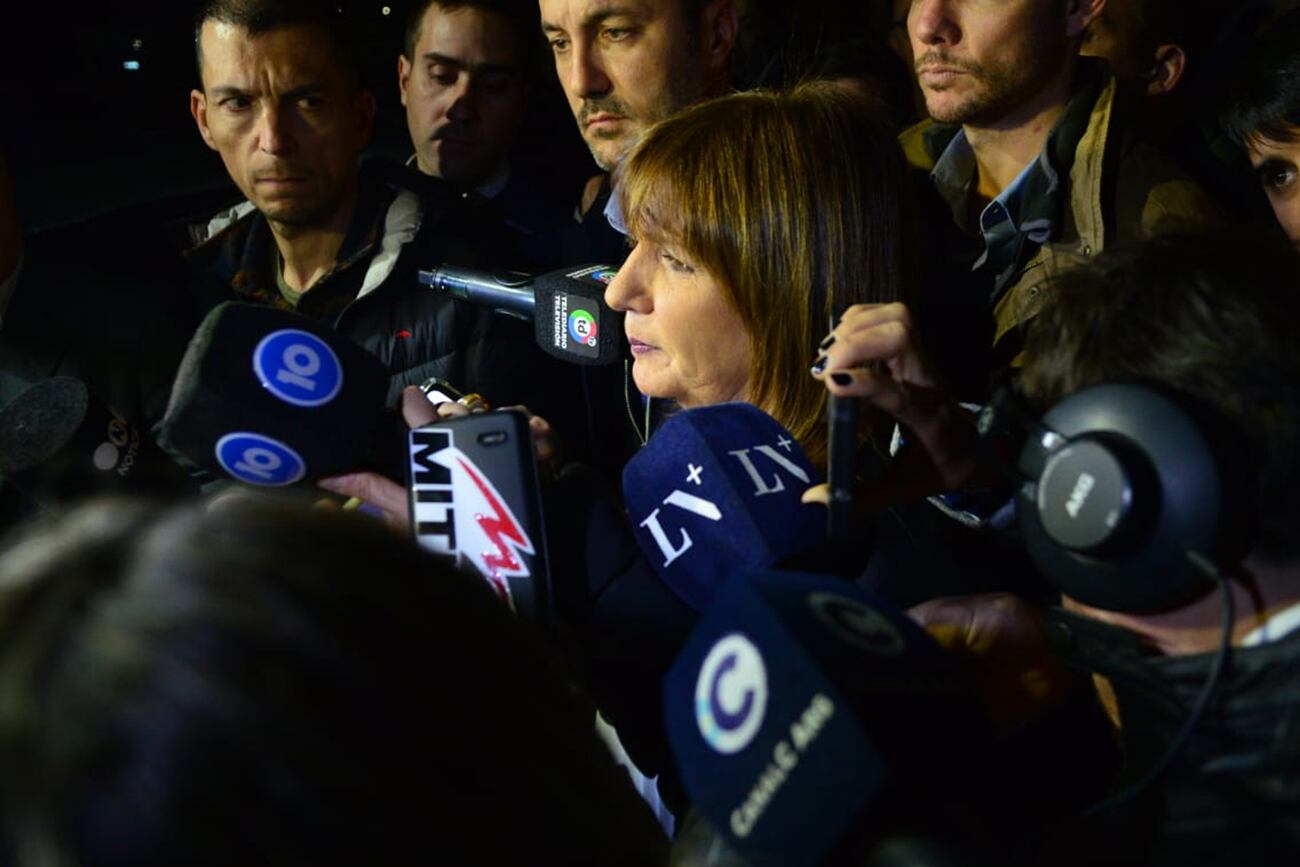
(298, 367)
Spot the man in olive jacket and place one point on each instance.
(1030, 149)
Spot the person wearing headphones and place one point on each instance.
(1161, 494)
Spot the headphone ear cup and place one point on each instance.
(1158, 489)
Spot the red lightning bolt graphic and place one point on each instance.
(501, 531)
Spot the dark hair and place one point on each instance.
(263, 16)
(264, 685)
(522, 14)
(1211, 317)
(1265, 99)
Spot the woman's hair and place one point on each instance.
(793, 201)
(263, 685)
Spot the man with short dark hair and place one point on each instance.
(626, 65)
(1263, 117)
(1148, 42)
(282, 103)
(464, 76)
(1030, 149)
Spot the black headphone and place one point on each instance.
(1119, 483)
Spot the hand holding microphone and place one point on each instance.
(874, 354)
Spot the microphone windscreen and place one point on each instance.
(717, 490)
(572, 320)
(271, 398)
(800, 704)
(59, 443)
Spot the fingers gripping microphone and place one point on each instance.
(802, 708)
(718, 489)
(57, 443)
(272, 398)
(571, 320)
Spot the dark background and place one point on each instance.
(84, 135)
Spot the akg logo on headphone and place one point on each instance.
(731, 694)
(259, 460)
(298, 367)
(857, 624)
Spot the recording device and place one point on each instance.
(271, 398)
(1118, 483)
(841, 466)
(475, 497)
(58, 443)
(571, 320)
(716, 490)
(802, 708)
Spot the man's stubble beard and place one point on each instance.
(684, 87)
(1006, 86)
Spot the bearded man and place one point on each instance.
(1032, 149)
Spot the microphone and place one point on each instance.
(802, 710)
(271, 398)
(717, 489)
(570, 318)
(58, 443)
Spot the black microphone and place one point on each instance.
(58, 443)
(570, 318)
(271, 398)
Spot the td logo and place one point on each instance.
(731, 694)
(298, 367)
(259, 460)
(582, 327)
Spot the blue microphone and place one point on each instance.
(271, 398)
(718, 489)
(801, 704)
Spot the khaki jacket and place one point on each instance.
(1118, 189)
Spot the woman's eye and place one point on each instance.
(676, 264)
(1277, 177)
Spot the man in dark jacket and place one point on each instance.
(282, 104)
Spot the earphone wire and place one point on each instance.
(1203, 699)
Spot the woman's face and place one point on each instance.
(688, 344)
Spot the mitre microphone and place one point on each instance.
(570, 318)
(58, 443)
(271, 398)
(718, 489)
(803, 710)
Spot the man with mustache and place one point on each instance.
(282, 103)
(626, 64)
(1031, 148)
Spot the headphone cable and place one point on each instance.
(1202, 703)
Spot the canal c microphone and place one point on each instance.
(803, 710)
(570, 318)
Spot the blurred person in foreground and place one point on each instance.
(255, 684)
(1212, 320)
